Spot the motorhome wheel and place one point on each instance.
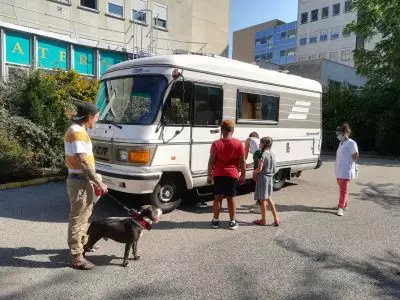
(279, 180)
(166, 195)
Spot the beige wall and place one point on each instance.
(191, 23)
(243, 44)
(210, 23)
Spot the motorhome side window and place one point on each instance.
(178, 104)
(207, 105)
(254, 107)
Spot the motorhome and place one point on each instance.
(159, 116)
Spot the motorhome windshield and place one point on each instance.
(130, 100)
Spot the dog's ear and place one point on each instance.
(142, 208)
(145, 211)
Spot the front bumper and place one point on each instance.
(132, 183)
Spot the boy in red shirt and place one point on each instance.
(227, 155)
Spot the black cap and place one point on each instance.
(84, 110)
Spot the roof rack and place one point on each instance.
(181, 51)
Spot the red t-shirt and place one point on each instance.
(228, 154)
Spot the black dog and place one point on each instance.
(127, 231)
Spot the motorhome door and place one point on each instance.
(207, 117)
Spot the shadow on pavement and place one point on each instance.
(25, 258)
(383, 272)
(386, 195)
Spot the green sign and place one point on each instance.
(107, 59)
(52, 54)
(84, 60)
(18, 48)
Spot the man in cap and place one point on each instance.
(227, 155)
(81, 175)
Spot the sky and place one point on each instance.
(245, 13)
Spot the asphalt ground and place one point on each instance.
(314, 254)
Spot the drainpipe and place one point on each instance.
(34, 63)
(2, 55)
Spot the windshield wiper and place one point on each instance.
(110, 123)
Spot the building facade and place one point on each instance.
(244, 40)
(320, 31)
(91, 35)
(324, 71)
(276, 44)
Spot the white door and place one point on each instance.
(207, 117)
(176, 130)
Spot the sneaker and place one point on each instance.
(215, 223)
(202, 204)
(340, 212)
(346, 208)
(233, 225)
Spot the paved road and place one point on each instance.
(313, 255)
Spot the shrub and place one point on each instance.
(43, 147)
(33, 119)
(11, 91)
(15, 160)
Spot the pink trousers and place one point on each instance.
(344, 192)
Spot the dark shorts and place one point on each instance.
(225, 186)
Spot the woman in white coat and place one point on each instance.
(345, 166)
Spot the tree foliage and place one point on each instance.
(378, 24)
(378, 20)
(34, 114)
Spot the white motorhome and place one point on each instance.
(159, 116)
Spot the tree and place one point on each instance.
(378, 18)
(381, 66)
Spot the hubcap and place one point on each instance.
(166, 193)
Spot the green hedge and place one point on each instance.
(372, 115)
(34, 115)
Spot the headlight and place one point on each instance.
(134, 156)
(122, 155)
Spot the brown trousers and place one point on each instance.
(81, 195)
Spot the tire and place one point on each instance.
(279, 180)
(167, 195)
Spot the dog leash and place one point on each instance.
(133, 213)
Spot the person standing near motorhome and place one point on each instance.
(227, 156)
(252, 144)
(345, 166)
(263, 175)
(81, 175)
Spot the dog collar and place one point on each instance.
(140, 221)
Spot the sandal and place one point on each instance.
(84, 265)
(259, 223)
(276, 223)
